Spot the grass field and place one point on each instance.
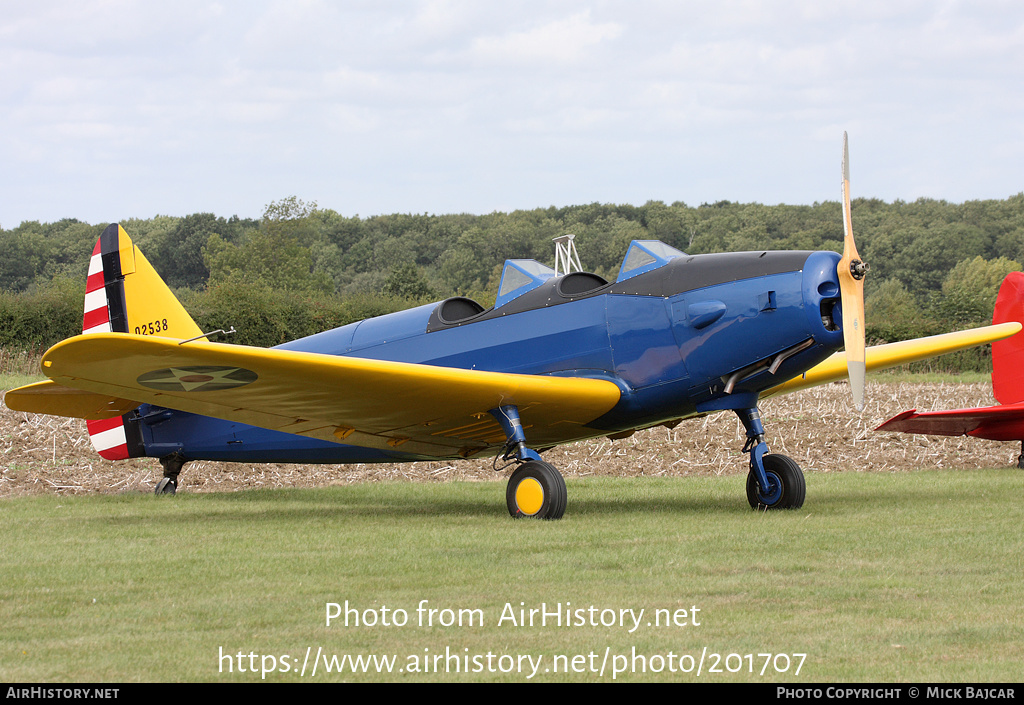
(881, 577)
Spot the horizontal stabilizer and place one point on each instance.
(54, 399)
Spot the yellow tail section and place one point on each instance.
(152, 308)
(124, 294)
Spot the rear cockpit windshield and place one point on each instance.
(645, 255)
(519, 277)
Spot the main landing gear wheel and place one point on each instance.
(536, 489)
(786, 486)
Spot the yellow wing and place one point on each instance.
(417, 409)
(880, 357)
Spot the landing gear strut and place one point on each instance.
(775, 481)
(1020, 458)
(172, 465)
(535, 489)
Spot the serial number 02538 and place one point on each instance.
(152, 328)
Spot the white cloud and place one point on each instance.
(230, 103)
(563, 42)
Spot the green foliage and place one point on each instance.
(179, 249)
(277, 255)
(892, 314)
(48, 315)
(43, 251)
(264, 317)
(405, 281)
(969, 292)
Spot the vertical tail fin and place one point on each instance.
(124, 294)
(1008, 354)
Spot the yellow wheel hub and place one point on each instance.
(529, 496)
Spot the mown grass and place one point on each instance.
(18, 367)
(879, 578)
(10, 381)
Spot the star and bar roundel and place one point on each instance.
(204, 378)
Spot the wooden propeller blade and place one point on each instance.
(851, 271)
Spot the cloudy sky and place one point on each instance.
(122, 108)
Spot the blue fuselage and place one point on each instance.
(699, 334)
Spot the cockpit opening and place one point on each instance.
(458, 308)
(578, 283)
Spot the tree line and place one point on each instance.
(935, 266)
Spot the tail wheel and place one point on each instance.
(786, 486)
(536, 490)
(172, 465)
(166, 485)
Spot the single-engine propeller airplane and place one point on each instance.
(1003, 422)
(557, 359)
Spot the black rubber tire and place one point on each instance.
(166, 486)
(784, 470)
(542, 477)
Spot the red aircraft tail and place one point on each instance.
(1008, 354)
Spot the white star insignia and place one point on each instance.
(192, 379)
